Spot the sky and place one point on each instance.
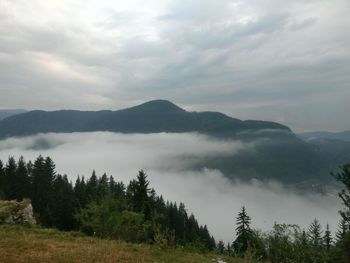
(284, 61)
(168, 160)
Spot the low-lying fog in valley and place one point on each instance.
(168, 160)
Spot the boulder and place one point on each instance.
(13, 212)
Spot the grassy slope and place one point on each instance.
(23, 244)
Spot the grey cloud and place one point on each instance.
(196, 53)
(303, 24)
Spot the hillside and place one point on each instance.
(277, 153)
(150, 117)
(343, 136)
(7, 113)
(23, 244)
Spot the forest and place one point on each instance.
(103, 207)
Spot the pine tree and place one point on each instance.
(344, 177)
(229, 249)
(23, 183)
(221, 247)
(10, 186)
(138, 192)
(91, 188)
(327, 238)
(2, 180)
(316, 241)
(243, 231)
(43, 174)
(102, 186)
(80, 193)
(315, 234)
(342, 230)
(63, 208)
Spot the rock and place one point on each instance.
(13, 212)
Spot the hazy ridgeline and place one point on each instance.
(174, 163)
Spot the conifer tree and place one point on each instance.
(10, 186)
(43, 174)
(91, 187)
(102, 186)
(316, 242)
(142, 191)
(23, 183)
(64, 203)
(315, 234)
(344, 177)
(243, 231)
(221, 247)
(327, 238)
(138, 192)
(2, 180)
(229, 249)
(80, 193)
(343, 228)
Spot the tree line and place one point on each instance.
(101, 206)
(290, 243)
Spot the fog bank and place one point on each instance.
(168, 160)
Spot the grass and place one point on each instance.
(33, 244)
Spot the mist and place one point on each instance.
(169, 160)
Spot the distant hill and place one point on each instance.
(150, 117)
(7, 113)
(277, 153)
(344, 136)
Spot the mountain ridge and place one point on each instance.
(149, 117)
(343, 135)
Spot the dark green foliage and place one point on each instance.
(63, 206)
(101, 206)
(80, 191)
(344, 177)
(23, 182)
(316, 242)
(343, 234)
(92, 188)
(343, 228)
(315, 234)
(2, 180)
(43, 175)
(139, 193)
(10, 186)
(327, 238)
(221, 247)
(135, 213)
(244, 234)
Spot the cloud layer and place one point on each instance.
(269, 59)
(168, 160)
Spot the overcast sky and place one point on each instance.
(285, 61)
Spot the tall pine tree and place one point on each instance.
(243, 231)
(10, 186)
(327, 238)
(344, 177)
(2, 180)
(43, 174)
(23, 183)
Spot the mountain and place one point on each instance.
(343, 136)
(150, 117)
(7, 113)
(275, 152)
